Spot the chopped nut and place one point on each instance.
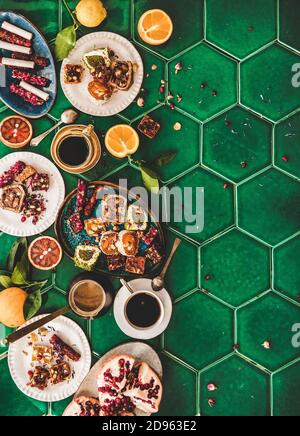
(267, 345)
(140, 102)
(177, 126)
(212, 402)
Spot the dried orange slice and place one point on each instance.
(45, 253)
(155, 27)
(122, 140)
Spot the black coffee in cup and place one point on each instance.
(74, 150)
(143, 310)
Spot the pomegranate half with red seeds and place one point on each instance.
(45, 253)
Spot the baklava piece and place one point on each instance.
(12, 198)
(60, 373)
(42, 354)
(149, 127)
(153, 254)
(114, 209)
(135, 265)
(115, 262)
(39, 378)
(63, 349)
(122, 75)
(28, 171)
(73, 74)
(39, 182)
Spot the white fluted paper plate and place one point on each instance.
(10, 222)
(79, 96)
(19, 362)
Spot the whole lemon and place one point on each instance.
(12, 302)
(90, 13)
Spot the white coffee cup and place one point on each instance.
(155, 297)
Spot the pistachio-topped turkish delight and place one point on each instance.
(86, 257)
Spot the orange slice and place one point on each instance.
(122, 140)
(155, 27)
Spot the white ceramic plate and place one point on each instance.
(19, 363)
(79, 96)
(10, 222)
(140, 351)
(119, 304)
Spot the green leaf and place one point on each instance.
(16, 253)
(64, 42)
(32, 304)
(150, 179)
(5, 281)
(19, 275)
(35, 286)
(165, 158)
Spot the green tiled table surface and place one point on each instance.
(239, 283)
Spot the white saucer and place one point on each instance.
(122, 295)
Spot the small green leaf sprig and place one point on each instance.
(18, 274)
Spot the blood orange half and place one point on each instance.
(45, 253)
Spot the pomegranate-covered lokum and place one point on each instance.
(90, 204)
(75, 223)
(115, 262)
(153, 254)
(150, 236)
(81, 195)
(27, 96)
(10, 175)
(136, 265)
(33, 79)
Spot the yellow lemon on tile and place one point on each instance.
(90, 13)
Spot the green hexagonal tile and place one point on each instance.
(266, 82)
(286, 386)
(182, 277)
(237, 144)
(150, 94)
(286, 268)
(235, 267)
(216, 73)
(105, 334)
(171, 140)
(268, 206)
(242, 389)
(13, 402)
(289, 24)
(269, 319)
(218, 205)
(287, 153)
(185, 17)
(203, 332)
(46, 22)
(241, 27)
(177, 375)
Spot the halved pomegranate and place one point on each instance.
(45, 253)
